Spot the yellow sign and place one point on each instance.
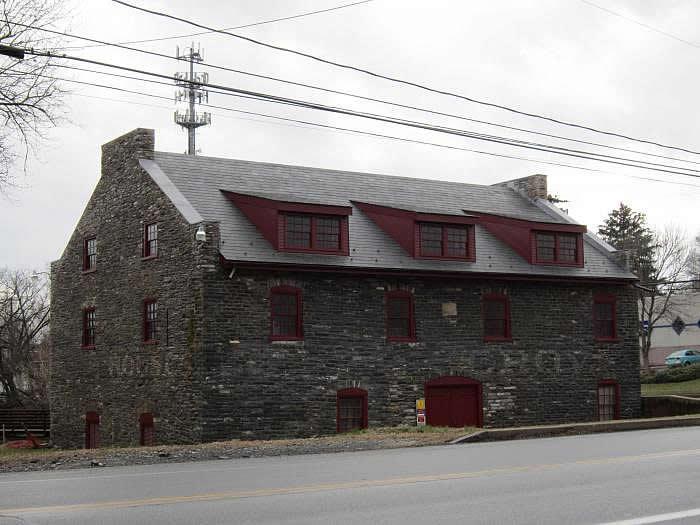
(420, 404)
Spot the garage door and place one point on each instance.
(453, 402)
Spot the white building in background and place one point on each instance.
(670, 335)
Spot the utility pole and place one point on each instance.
(191, 93)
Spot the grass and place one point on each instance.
(683, 388)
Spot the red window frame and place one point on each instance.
(92, 430)
(315, 227)
(616, 407)
(146, 430)
(350, 393)
(503, 299)
(468, 229)
(90, 254)
(556, 260)
(611, 300)
(150, 240)
(150, 321)
(406, 296)
(88, 338)
(297, 334)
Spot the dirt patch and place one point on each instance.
(55, 459)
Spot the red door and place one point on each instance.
(453, 402)
(92, 430)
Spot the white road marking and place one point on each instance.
(658, 518)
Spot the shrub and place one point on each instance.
(674, 374)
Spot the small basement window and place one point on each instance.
(604, 318)
(150, 240)
(318, 233)
(400, 316)
(285, 314)
(90, 254)
(150, 321)
(558, 248)
(88, 328)
(351, 409)
(496, 317)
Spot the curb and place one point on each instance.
(503, 434)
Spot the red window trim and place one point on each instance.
(343, 244)
(606, 299)
(404, 294)
(555, 262)
(605, 382)
(505, 299)
(146, 421)
(84, 338)
(145, 338)
(470, 252)
(351, 392)
(146, 250)
(288, 290)
(86, 260)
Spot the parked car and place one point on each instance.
(683, 358)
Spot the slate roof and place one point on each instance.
(194, 184)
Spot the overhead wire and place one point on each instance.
(371, 99)
(402, 81)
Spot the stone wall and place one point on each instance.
(547, 374)
(122, 377)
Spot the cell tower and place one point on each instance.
(190, 91)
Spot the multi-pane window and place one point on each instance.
(312, 232)
(400, 322)
(150, 321)
(604, 322)
(496, 316)
(90, 254)
(351, 409)
(150, 240)
(89, 327)
(285, 313)
(443, 240)
(557, 247)
(608, 407)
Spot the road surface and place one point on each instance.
(650, 476)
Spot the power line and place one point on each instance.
(377, 135)
(300, 15)
(404, 82)
(391, 120)
(371, 99)
(642, 24)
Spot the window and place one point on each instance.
(400, 319)
(312, 232)
(285, 314)
(146, 429)
(351, 409)
(150, 321)
(604, 318)
(92, 430)
(150, 240)
(444, 240)
(90, 254)
(608, 400)
(496, 316)
(89, 328)
(558, 248)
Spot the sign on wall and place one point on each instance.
(420, 412)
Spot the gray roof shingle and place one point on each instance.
(198, 181)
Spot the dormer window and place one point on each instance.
(557, 248)
(312, 232)
(448, 241)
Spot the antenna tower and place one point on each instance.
(190, 92)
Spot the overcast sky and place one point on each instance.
(561, 58)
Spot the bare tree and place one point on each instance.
(30, 96)
(24, 319)
(660, 294)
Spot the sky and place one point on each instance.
(565, 59)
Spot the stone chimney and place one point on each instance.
(534, 186)
(125, 151)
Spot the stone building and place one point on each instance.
(204, 298)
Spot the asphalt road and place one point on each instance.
(648, 476)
